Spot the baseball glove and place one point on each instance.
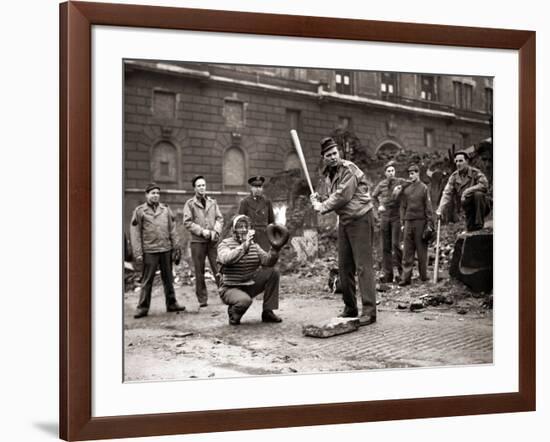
(277, 235)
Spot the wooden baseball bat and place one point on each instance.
(436, 264)
(300, 153)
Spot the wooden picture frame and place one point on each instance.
(76, 21)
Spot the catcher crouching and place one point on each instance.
(247, 270)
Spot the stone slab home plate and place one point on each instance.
(331, 327)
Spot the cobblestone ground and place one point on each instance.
(199, 343)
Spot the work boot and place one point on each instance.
(386, 279)
(140, 313)
(404, 283)
(175, 307)
(366, 320)
(269, 316)
(203, 304)
(234, 317)
(349, 314)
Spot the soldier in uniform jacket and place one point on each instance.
(154, 238)
(416, 215)
(259, 210)
(203, 218)
(390, 224)
(469, 185)
(345, 191)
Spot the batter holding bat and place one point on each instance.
(345, 191)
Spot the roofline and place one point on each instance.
(320, 95)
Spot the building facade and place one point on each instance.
(231, 122)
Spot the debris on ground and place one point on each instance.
(332, 327)
(182, 335)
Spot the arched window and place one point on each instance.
(164, 161)
(387, 150)
(292, 161)
(234, 169)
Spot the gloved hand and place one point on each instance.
(176, 255)
(277, 235)
(138, 263)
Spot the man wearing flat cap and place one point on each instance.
(202, 217)
(154, 241)
(345, 191)
(416, 216)
(468, 185)
(259, 210)
(390, 224)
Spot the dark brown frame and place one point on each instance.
(76, 421)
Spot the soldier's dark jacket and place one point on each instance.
(416, 203)
(153, 231)
(259, 210)
(383, 193)
(347, 193)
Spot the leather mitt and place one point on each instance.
(277, 235)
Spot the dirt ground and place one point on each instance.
(455, 329)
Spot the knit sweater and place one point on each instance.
(416, 203)
(238, 265)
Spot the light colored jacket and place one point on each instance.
(153, 231)
(347, 193)
(198, 218)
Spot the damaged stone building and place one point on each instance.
(230, 122)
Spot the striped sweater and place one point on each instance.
(238, 266)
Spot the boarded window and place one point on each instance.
(164, 163)
(465, 140)
(293, 119)
(467, 100)
(234, 113)
(234, 168)
(292, 161)
(428, 137)
(457, 88)
(164, 104)
(344, 123)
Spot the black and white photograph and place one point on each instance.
(290, 220)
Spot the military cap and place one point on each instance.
(151, 187)
(327, 143)
(256, 180)
(198, 177)
(389, 164)
(461, 152)
(413, 167)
